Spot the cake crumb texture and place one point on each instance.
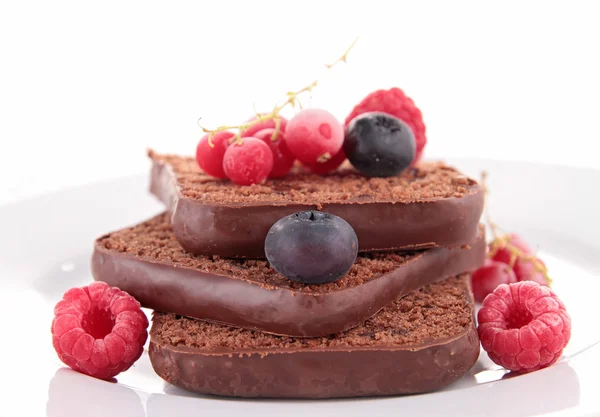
(154, 241)
(435, 312)
(428, 181)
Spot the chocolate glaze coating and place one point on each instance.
(318, 372)
(239, 230)
(191, 292)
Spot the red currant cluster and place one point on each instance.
(510, 260)
(268, 148)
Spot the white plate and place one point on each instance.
(46, 245)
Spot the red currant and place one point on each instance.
(210, 159)
(265, 124)
(314, 135)
(248, 162)
(525, 270)
(283, 160)
(489, 276)
(504, 255)
(322, 168)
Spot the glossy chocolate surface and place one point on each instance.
(384, 368)
(238, 229)
(170, 287)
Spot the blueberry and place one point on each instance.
(379, 145)
(311, 247)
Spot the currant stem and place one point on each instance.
(277, 129)
(292, 101)
(344, 57)
(324, 158)
(503, 242)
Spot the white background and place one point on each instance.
(86, 87)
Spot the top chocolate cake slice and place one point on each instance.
(429, 205)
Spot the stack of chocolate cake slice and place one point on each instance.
(226, 323)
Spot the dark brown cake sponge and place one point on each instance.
(420, 343)
(425, 182)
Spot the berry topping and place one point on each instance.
(99, 330)
(248, 161)
(210, 158)
(379, 145)
(263, 124)
(283, 160)
(311, 247)
(314, 136)
(322, 168)
(396, 103)
(523, 326)
(489, 276)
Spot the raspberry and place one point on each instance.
(489, 276)
(248, 162)
(283, 160)
(210, 158)
(523, 326)
(314, 136)
(265, 124)
(396, 103)
(99, 330)
(322, 168)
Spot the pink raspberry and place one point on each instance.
(523, 326)
(99, 330)
(398, 104)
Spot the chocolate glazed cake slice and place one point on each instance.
(429, 205)
(148, 262)
(417, 344)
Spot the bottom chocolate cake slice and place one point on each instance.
(419, 343)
